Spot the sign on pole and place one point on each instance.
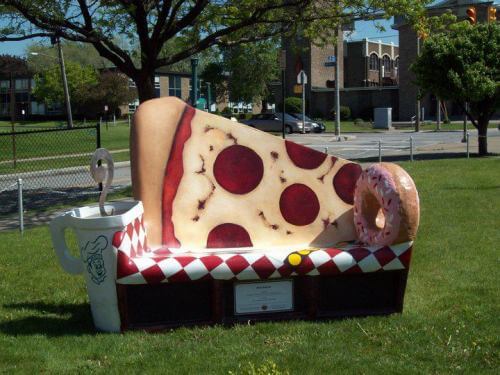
(302, 78)
(331, 60)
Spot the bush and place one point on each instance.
(227, 112)
(292, 105)
(358, 121)
(345, 112)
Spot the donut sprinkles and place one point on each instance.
(377, 181)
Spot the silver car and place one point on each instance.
(271, 122)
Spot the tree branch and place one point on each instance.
(184, 22)
(25, 37)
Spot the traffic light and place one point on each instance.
(471, 15)
(492, 14)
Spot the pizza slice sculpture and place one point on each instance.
(225, 184)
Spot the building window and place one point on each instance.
(396, 63)
(4, 85)
(174, 86)
(22, 84)
(157, 87)
(374, 62)
(386, 63)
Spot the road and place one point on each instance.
(394, 143)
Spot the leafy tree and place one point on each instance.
(462, 64)
(148, 28)
(13, 64)
(243, 72)
(112, 90)
(42, 56)
(81, 81)
(251, 68)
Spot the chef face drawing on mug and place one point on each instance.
(92, 256)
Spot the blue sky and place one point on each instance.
(363, 30)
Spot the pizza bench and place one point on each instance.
(232, 224)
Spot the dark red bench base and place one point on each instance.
(162, 306)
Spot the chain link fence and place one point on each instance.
(52, 163)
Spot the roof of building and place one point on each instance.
(166, 70)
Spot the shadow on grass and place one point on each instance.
(51, 320)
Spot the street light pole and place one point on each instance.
(194, 81)
(209, 96)
(57, 40)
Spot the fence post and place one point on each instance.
(468, 155)
(380, 151)
(114, 119)
(20, 204)
(98, 145)
(411, 148)
(129, 120)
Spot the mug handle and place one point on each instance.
(68, 262)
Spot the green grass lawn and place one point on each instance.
(58, 149)
(450, 321)
(350, 127)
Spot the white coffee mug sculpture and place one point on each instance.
(94, 227)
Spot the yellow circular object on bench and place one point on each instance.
(294, 259)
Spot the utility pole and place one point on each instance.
(282, 61)
(337, 85)
(57, 40)
(12, 119)
(417, 118)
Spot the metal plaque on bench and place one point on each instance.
(263, 297)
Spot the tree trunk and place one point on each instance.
(145, 86)
(482, 139)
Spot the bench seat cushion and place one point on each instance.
(164, 266)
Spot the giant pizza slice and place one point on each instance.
(229, 185)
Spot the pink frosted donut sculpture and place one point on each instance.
(386, 207)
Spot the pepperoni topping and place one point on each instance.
(299, 205)
(304, 157)
(228, 235)
(238, 169)
(345, 181)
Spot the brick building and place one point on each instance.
(368, 75)
(371, 63)
(409, 44)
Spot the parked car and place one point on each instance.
(271, 122)
(317, 127)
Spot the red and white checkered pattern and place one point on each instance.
(138, 265)
(132, 240)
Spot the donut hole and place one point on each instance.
(373, 212)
